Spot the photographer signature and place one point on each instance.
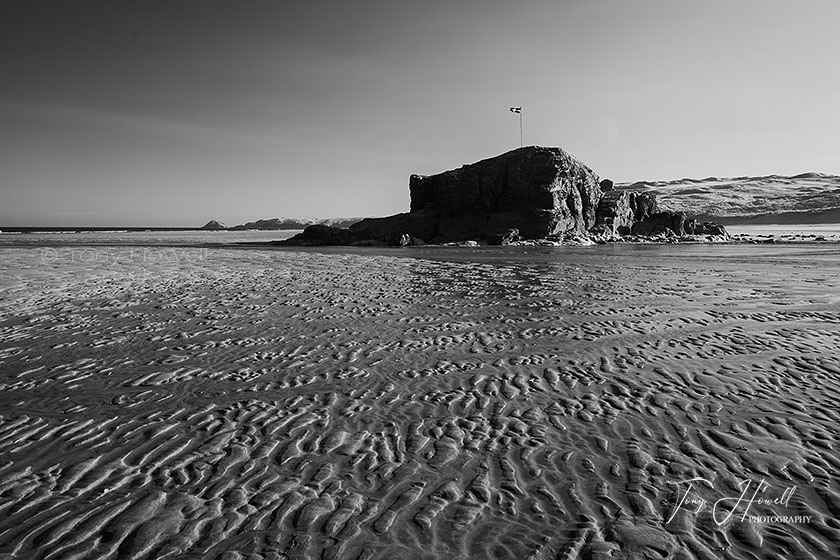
(724, 508)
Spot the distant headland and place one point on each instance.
(276, 224)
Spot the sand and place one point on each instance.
(527, 403)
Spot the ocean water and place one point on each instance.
(791, 233)
(142, 237)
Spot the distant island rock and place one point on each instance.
(528, 193)
(214, 225)
(272, 224)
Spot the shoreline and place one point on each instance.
(270, 245)
(777, 234)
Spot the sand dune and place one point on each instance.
(574, 403)
(807, 198)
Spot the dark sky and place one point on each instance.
(175, 112)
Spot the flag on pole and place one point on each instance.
(518, 110)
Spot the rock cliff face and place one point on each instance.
(539, 191)
(528, 193)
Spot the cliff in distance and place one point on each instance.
(272, 224)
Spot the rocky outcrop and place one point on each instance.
(672, 223)
(528, 193)
(695, 227)
(539, 191)
(624, 212)
(320, 234)
(503, 237)
(214, 225)
(661, 223)
(535, 190)
(618, 211)
(389, 230)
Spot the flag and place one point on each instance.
(516, 109)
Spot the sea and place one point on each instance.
(781, 232)
(133, 237)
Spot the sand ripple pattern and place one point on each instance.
(233, 404)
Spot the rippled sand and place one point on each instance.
(590, 403)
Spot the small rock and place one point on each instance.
(214, 225)
(503, 237)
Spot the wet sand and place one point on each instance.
(508, 403)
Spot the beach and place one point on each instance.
(195, 401)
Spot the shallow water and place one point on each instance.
(524, 402)
(140, 238)
(831, 232)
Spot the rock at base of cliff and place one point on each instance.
(604, 233)
(318, 235)
(503, 237)
(619, 211)
(669, 223)
(661, 223)
(390, 230)
(707, 228)
(410, 241)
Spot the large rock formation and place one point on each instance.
(527, 193)
(538, 191)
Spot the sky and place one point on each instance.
(174, 112)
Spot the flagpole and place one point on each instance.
(519, 110)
